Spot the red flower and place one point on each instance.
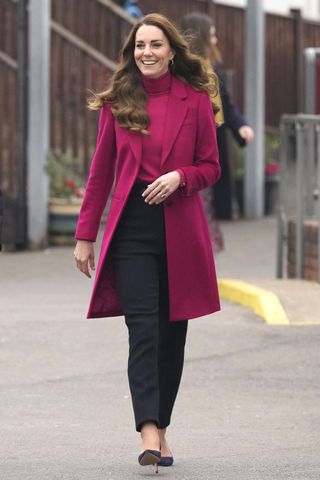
(69, 183)
(272, 168)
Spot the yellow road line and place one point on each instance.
(262, 302)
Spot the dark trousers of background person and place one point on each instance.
(156, 345)
(223, 194)
(222, 206)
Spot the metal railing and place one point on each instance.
(299, 195)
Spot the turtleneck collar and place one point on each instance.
(157, 86)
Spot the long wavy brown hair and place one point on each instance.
(126, 93)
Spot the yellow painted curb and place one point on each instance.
(262, 302)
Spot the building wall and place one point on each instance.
(310, 8)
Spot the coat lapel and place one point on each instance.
(176, 112)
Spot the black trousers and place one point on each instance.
(156, 346)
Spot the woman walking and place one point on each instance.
(199, 28)
(157, 145)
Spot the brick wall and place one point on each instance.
(310, 250)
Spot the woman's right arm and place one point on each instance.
(100, 179)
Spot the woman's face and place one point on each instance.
(152, 51)
(213, 36)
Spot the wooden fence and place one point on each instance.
(8, 97)
(13, 103)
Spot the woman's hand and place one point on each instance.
(84, 256)
(161, 188)
(246, 133)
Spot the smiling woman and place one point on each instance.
(157, 145)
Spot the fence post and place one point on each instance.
(282, 217)
(297, 56)
(22, 118)
(255, 108)
(317, 196)
(38, 135)
(300, 132)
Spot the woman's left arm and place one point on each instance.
(205, 170)
(100, 178)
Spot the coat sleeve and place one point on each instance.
(100, 179)
(205, 170)
(232, 115)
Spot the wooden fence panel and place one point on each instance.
(12, 181)
(93, 22)
(281, 73)
(311, 34)
(73, 73)
(8, 16)
(230, 24)
(8, 96)
(174, 9)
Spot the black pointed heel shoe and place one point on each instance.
(165, 462)
(150, 457)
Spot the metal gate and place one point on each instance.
(299, 203)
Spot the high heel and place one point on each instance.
(150, 457)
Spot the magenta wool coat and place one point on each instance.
(189, 144)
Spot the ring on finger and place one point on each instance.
(163, 195)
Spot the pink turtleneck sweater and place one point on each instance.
(158, 90)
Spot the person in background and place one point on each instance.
(131, 7)
(201, 33)
(157, 145)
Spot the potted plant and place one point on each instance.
(272, 173)
(66, 193)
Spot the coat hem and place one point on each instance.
(104, 314)
(214, 309)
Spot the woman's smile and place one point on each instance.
(149, 62)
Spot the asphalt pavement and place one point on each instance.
(248, 406)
